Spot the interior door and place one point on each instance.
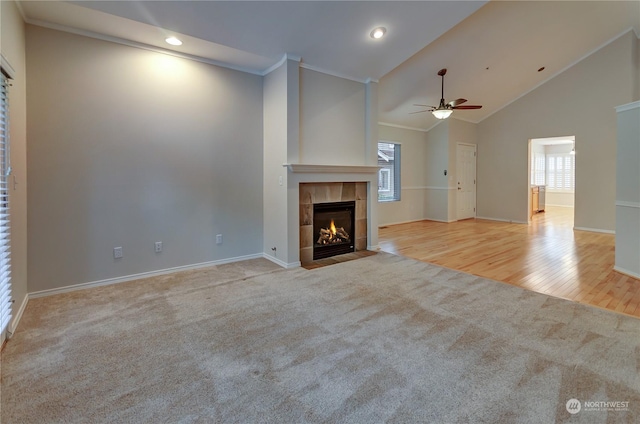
(466, 173)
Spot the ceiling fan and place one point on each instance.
(445, 109)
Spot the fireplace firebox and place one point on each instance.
(333, 229)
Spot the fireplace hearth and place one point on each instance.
(333, 229)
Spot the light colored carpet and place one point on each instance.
(378, 339)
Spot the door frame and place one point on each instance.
(529, 184)
(475, 178)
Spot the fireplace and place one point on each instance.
(333, 229)
(336, 194)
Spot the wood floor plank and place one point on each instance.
(548, 256)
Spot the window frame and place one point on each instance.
(381, 180)
(567, 174)
(393, 194)
(538, 169)
(6, 302)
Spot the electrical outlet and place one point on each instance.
(117, 252)
(158, 246)
(219, 239)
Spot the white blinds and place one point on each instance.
(538, 169)
(5, 169)
(561, 171)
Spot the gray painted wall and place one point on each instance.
(332, 120)
(127, 147)
(581, 102)
(275, 155)
(413, 147)
(636, 83)
(628, 192)
(436, 204)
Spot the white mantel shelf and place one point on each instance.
(298, 168)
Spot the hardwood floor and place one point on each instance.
(547, 256)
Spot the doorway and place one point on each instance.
(552, 179)
(466, 187)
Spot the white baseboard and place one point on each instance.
(18, 314)
(132, 277)
(502, 220)
(415, 220)
(594, 230)
(626, 272)
(401, 222)
(440, 220)
(375, 248)
(283, 264)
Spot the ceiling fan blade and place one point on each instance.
(424, 106)
(420, 111)
(456, 102)
(467, 107)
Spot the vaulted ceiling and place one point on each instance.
(493, 50)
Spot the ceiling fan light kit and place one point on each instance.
(442, 113)
(444, 110)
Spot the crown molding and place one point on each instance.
(143, 46)
(333, 74)
(402, 127)
(21, 10)
(279, 63)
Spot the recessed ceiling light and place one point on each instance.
(378, 33)
(173, 41)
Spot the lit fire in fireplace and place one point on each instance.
(333, 235)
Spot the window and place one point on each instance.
(384, 180)
(389, 174)
(538, 169)
(561, 172)
(5, 169)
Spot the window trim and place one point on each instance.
(395, 174)
(538, 175)
(384, 188)
(553, 188)
(6, 302)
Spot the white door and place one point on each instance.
(466, 174)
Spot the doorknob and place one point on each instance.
(459, 188)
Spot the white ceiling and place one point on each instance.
(511, 39)
(493, 56)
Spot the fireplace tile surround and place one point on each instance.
(313, 193)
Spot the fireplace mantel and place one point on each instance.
(298, 168)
